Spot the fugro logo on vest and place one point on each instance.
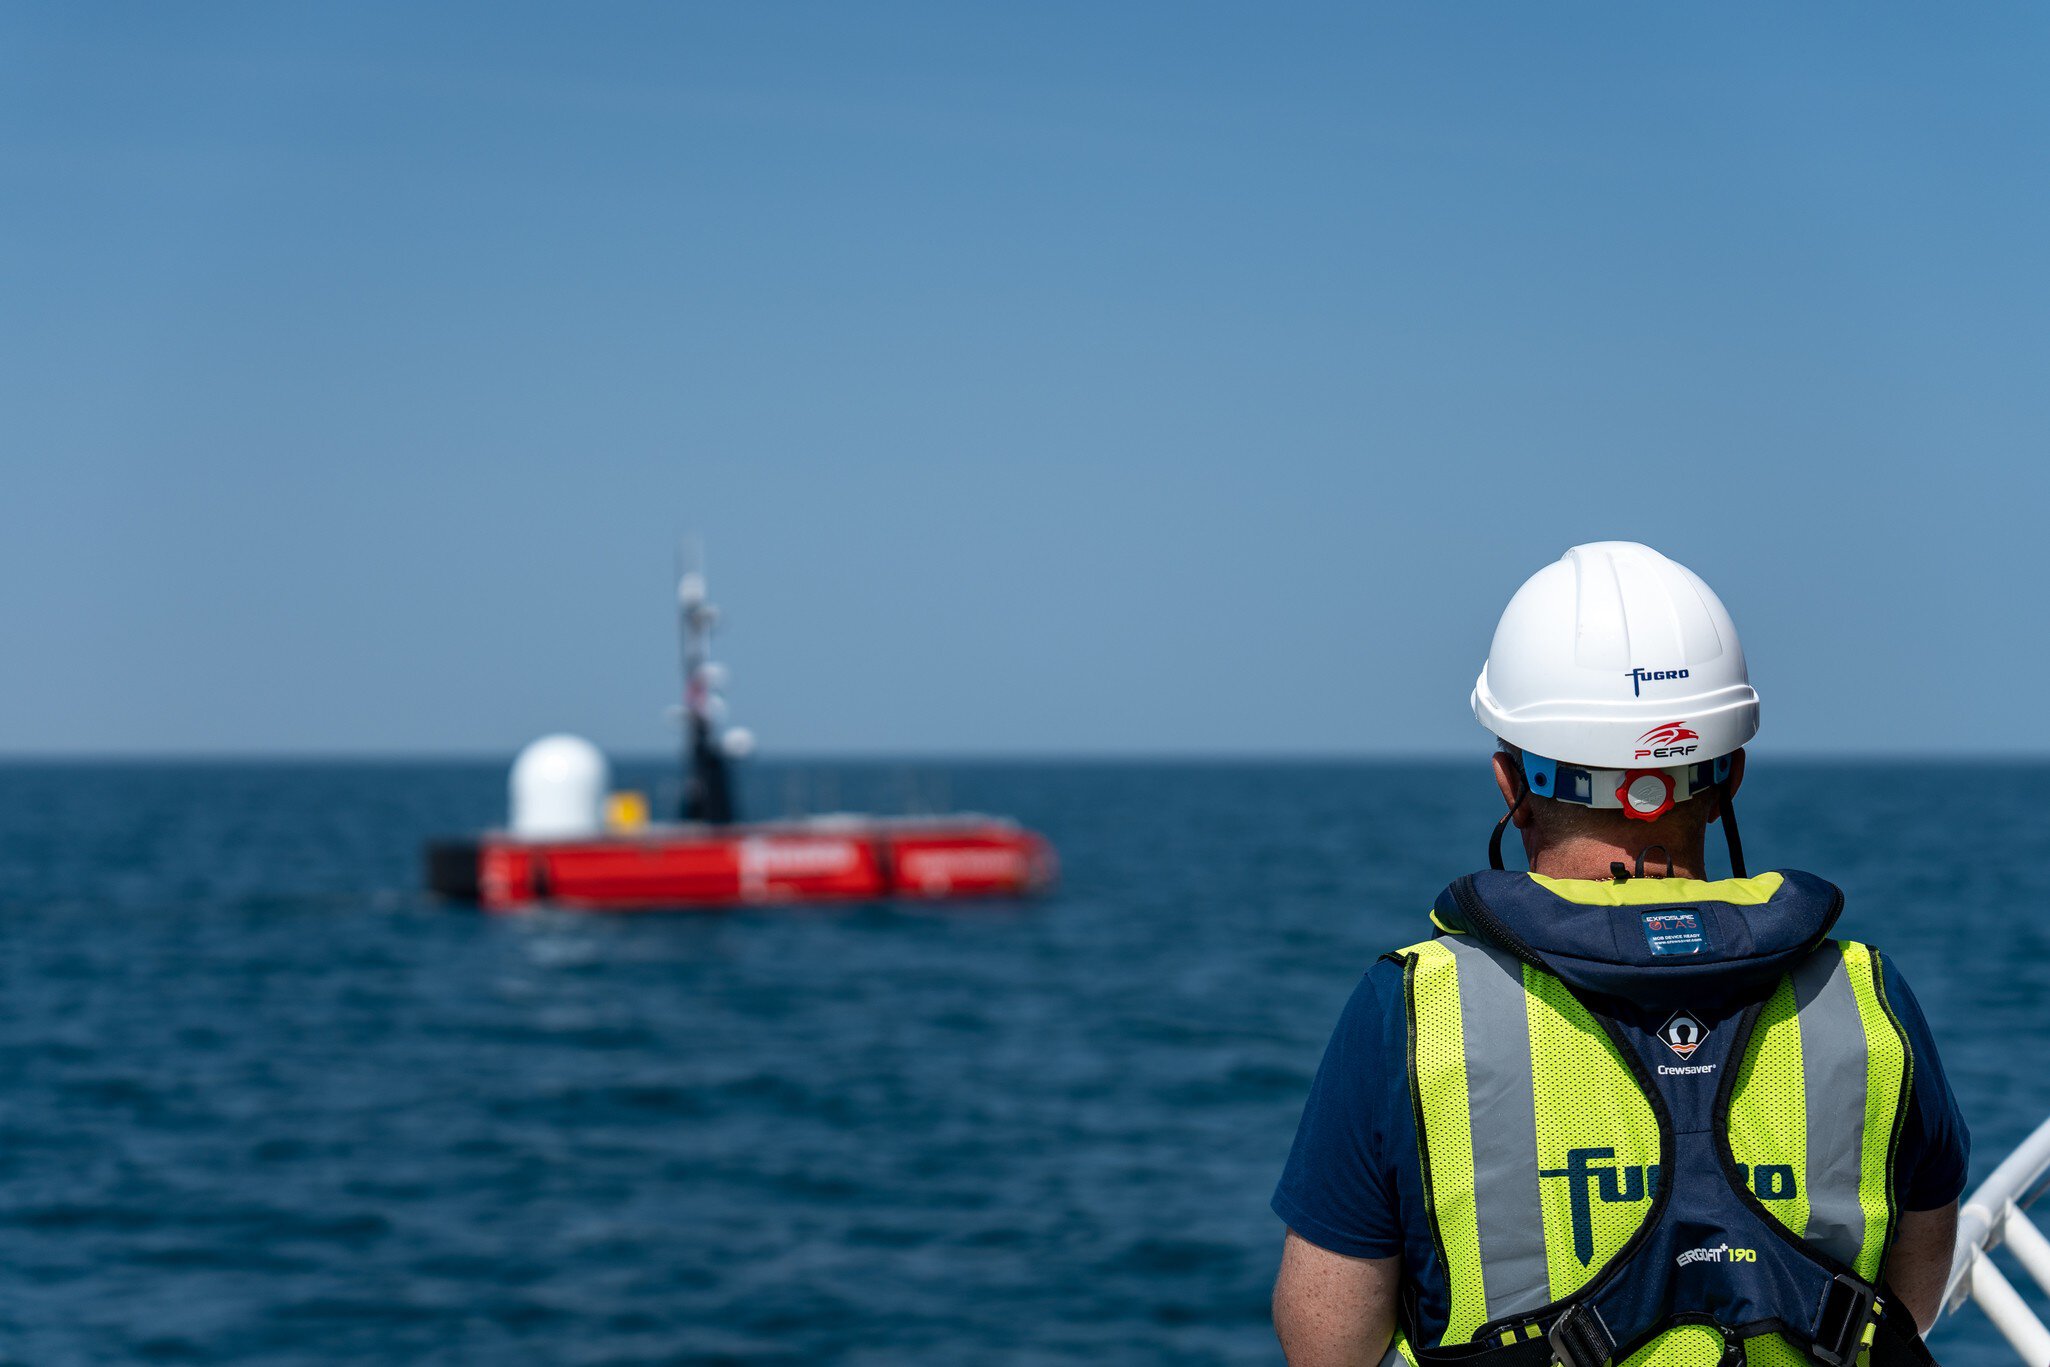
(1592, 1174)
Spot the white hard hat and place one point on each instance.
(1615, 661)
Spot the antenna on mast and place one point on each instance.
(707, 783)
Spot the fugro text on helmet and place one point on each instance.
(1640, 677)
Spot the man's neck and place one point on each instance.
(1585, 857)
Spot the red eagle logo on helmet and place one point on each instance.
(1671, 733)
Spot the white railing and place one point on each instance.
(1993, 1216)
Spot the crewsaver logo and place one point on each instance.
(1683, 1034)
(1640, 677)
(1668, 741)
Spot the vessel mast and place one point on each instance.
(707, 784)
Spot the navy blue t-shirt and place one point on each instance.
(1352, 1183)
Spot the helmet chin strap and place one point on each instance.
(1735, 841)
(1495, 840)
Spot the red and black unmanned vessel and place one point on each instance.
(825, 859)
(570, 843)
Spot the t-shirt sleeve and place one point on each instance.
(1935, 1146)
(1336, 1191)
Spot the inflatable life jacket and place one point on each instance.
(1657, 1121)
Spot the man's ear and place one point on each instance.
(1509, 778)
(1732, 783)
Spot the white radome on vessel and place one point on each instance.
(558, 789)
(1606, 644)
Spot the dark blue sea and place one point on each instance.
(264, 1103)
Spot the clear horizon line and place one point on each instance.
(966, 756)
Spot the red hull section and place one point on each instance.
(823, 861)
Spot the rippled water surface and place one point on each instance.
(264, 1103)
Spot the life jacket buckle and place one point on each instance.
(1579, 1338)
(1844, 1326)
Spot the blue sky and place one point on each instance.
(1045, 378)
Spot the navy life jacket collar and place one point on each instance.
(1700, 947)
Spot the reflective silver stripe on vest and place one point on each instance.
(1833, 1067)
(1495, 1017)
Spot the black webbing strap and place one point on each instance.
(1847, 1321)
(1580, 1338)
(1896, 1342)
